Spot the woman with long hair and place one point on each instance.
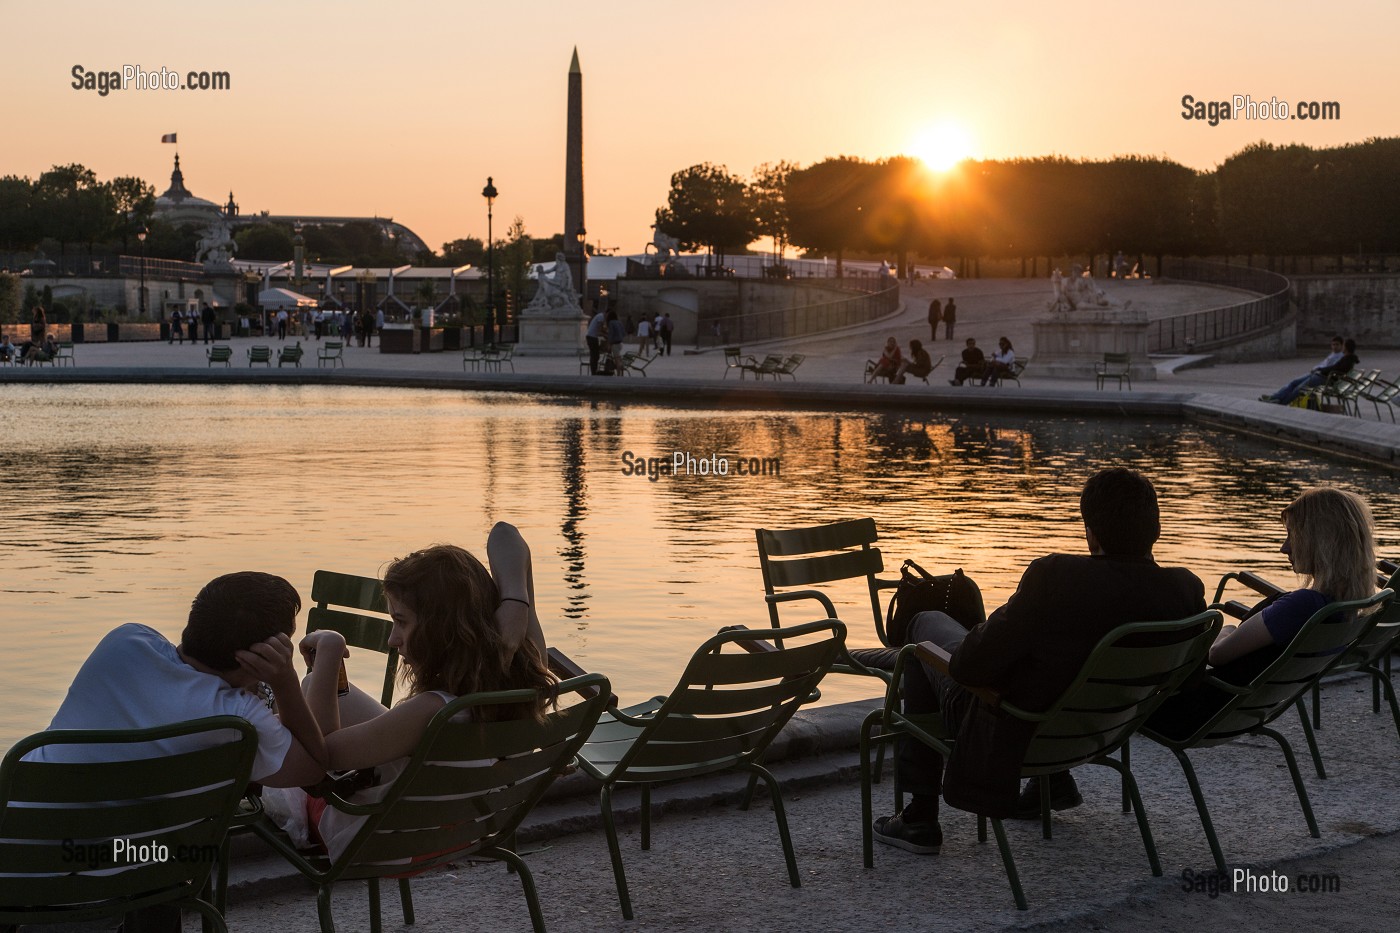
(459, 629)
(1329, 538)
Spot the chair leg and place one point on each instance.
(1130, 788)
(1311, 739)
(323, 908)
(867, 815)
(211, 916)
(614, 850)
(981, 828)
(406, 901)
(1201, 810)
(1380, 682)
(747, 800)
(1045, 807)
(646, 817)
(527, 881)
(781, 814)
(1123, 781)
(1010, 865)
(879, 763)
(376, 922)
(1297, 779)
(1317, 706)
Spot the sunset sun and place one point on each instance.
(942, 146)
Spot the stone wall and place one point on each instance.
(1363, 307)
(690, 301)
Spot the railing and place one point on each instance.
(162, 268)
(1227, 323)
(783, 323)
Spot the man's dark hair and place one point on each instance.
(1349, 345)
(235, 611)
(1120, 507)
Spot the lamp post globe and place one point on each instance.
(489, 193)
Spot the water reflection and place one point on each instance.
(130, 498)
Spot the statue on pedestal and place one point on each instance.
(556, 291)
(217, 246)
(1076, 291)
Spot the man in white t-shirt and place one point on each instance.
(238, 635)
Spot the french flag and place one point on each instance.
(168, 138)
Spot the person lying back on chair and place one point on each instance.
(1029, 651)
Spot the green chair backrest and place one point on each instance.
(1117, 359)
(1130, 673)
(822, 554)
(355, 607)
(1384, 635)
(470, 783)
(219, 354)
(1318, 646)
(66, 824)
(727, 707)
(259, 355)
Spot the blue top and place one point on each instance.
(1285, 616)
(615, 331)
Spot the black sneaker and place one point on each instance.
(1064, 795)
(919, 838)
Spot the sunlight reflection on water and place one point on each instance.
(121, 501)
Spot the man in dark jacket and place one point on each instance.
(1029, 652)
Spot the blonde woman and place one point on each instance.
(1329, 538)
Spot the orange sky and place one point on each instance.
(403, 110)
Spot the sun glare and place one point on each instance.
(942, 146)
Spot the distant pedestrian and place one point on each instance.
(617, 334)
(643, 337)
(206, 316)
(668, 327)
(282, 324)
(656, 333)
(950, 317)
(935, 314)
(177, 327)
(39, 326)
(597, 337)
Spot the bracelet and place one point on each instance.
(512, 599)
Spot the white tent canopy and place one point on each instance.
(278, 298)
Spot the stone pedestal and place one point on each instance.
(1069, 343)
(551, 332)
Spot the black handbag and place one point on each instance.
(920, 591)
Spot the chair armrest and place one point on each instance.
(564, 667)
(1233, 689)
(751, 645)
(1233, 608)
(886, 584)
(1250, 579)
(775, 598)
(939, 659)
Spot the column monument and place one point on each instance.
(553, 323)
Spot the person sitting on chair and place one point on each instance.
(1341, 360)
(7, 349)
(919, 365)
(1029, 651)
(459, 629)
(971, 366)
(1329, 538)
(1002, 361)
(37, 353)
(889, 362)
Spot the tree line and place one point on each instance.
(1264, 200)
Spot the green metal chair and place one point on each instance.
(1317, 648)
(355, 607)
(219, 353)
(1127, 676)
(1370, 654)
(1117, 366)
(333, 352)
(292, 354)
(62, 824)
(821, 554)
(721, 716)
(260, 355)
(463, 793)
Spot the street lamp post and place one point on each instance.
(489, 193)
(582, 235)
(141, 235)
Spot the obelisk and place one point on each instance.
(552, 323)
(573, 173)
